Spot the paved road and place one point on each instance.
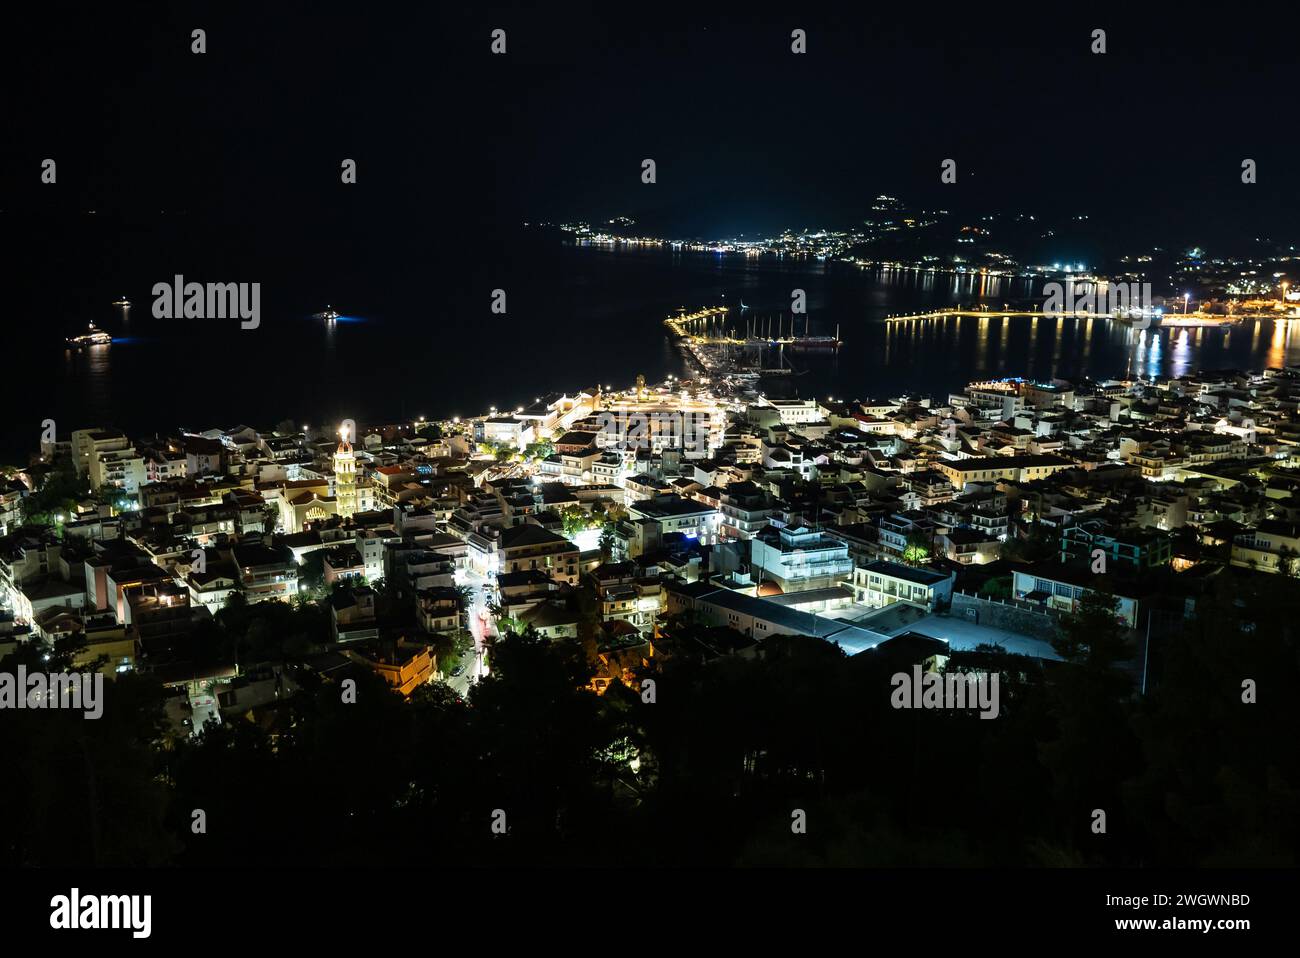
(480, 625)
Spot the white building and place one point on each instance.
(122, 468)
(87, 442)
(878, 584)
(671, 513)
(796, 411)
(509, 430)
(798, 559)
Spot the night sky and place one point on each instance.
(454, 144)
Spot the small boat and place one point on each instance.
(122, 302)
(92, 337)
(328, 314)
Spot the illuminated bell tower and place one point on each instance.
(345, 476)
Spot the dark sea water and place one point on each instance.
(418, 338)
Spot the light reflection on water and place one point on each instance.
(952, 350)
(92, 367)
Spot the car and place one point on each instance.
(458, 670)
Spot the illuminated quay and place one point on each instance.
(707, 340)
(1168, 320)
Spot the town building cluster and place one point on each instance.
(612, 517)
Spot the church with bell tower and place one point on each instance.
(345, 475)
